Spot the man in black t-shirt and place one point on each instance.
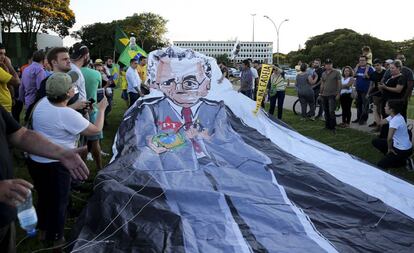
(374, 92)
(318, 71)
(14, 191)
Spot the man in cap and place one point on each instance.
(330, 89)
(50, 178)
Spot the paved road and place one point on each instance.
(288, 104)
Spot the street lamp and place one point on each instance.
(277, 34)
(253, 15)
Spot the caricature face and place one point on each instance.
(184, 86)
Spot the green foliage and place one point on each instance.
(343, 46)
(37, 15)
(223, 58)
(407, 48)
(148, 28)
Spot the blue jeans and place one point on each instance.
(362, 106)
(280, 98)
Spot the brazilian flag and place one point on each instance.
(130, 53)
(121, 40)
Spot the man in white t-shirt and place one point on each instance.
(51, 179)
(134, 82)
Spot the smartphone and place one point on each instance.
(100, 94)
(91, 102)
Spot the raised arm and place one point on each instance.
(36, 144)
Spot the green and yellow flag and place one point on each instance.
(121, 40)
(130, 53)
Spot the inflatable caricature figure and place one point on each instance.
(187, 144)
(183, 127)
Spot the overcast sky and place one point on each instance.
(228, 19)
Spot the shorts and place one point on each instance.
(92, 119)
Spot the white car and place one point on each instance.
(290, 74)
(234, 72)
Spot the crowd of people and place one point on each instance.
(370, 82)
(66, 99)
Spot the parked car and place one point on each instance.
(290, 74)
(233, 72)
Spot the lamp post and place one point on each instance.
(277, 34)
(253, 15)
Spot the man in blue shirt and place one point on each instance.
(362, 86)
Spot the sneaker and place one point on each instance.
(410, 164)
(89, 157)
(312, 118)
(355, 121)
(104, 154)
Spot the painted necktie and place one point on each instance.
(186, 113)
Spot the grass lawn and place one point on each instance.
(347, 140)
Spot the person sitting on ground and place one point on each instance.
(304, 82)
(51, 180)
(397, 147)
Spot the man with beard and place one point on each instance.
(59, 60)
(79, 57)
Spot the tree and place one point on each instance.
(224, 59)
(99, 38)
(149, 30)
(343, 46)
(37, 15)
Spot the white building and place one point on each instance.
(261, 51)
